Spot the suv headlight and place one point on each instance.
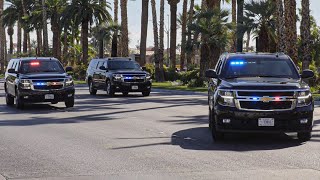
(148, 77)
(25, 84)
(304, 98)
(117, 77)
(226, 98)
(69, 82)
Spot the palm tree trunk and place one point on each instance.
(156, 40)
(25, 41)
(19, 33)
(144, 31)
(29, 43)
(2, 40)
(305, 34)
(161, 48)
(234, 22)
(291, 30)
(65, 46)
(101, 48)
(114, 51)
(45, 29)
(173, 31)
(248, 41)
(56, 40)
(84, 41)
(39, 41)
(10, 33)
(124, 28)
(189, 45)
(183, 34)
(280, 26)
(240, 4)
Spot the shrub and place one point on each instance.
(171, 75)
(151, 69)
(199, 82)
(80, 72)
(187, 76)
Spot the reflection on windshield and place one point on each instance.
(41, 67)
(115, 65)
(236, 68)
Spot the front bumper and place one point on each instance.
(247, 121)
(131, 87)
(33, 96)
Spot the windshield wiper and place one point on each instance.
(273, 76)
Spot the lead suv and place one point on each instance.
(259, 93)
(117, 75)
(33, 80)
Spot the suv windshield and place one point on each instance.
(36, 66)
(119, 64)
(235, 68)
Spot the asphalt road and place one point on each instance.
(164, 136)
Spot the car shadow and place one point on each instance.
(200, 139)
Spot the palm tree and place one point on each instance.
(124, 29)
(213, 26)
(173, 31)
(156, 40)
(144, 31)
(305, 34)
(183, 34)
(259, 17)
(189, 46)
(45, 29)
(114, 51)
(280, 26)
(55, 10)
(234, 22)
(161, 46)
(103, 33)
(240, 4)
(291, 29)
(84, 12)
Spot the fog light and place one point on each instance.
(69, 95)
(226, 121)
(149, 87)
(303, 121)
(26, 97)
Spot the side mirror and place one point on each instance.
(12, 71)
(307, 74)
(69, 69)
(102, 68)
(211, 73)
(144, 68)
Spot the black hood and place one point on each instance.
(44, 76)
(257, 83)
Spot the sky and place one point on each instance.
(134, 19)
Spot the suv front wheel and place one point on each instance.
(146, 93)
(92, 90)
(9, 100)
(18, 101)
(304, 136)
(69, 102)
(110, 91)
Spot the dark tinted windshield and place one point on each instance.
(36, 66)
(260, 67)
(118, 64)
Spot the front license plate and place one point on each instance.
(266, 122)
(135, 87)
(49, 96)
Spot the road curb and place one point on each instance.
(2, 177)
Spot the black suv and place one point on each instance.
(254, 92)
(117, 75)
(34, 80)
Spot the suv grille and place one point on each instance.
(134, 78)
(265, 100)
(48, 84)
(281, 105)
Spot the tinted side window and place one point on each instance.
(100, 63)
(93, 63)
(17, 65)
(105, 64)
(218, 67)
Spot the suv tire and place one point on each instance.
(146, 93)
(9, 100)
(304, 136)
(92, 91)
(216, 135)
(110, 91)
(69, 102)
(18, 101)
